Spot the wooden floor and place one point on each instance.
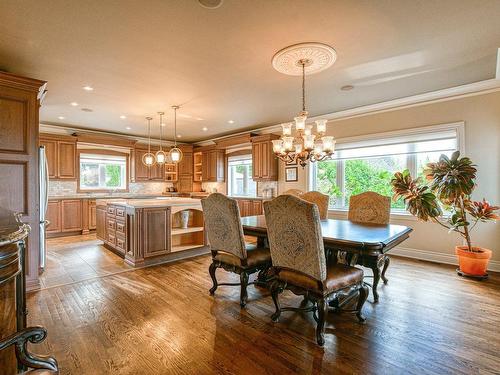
(77, 258)
(161, 320)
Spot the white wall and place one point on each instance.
(481, 114)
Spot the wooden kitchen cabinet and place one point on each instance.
(185, 184)
(264, 162)
(140, 172)
(249, 207)
(53, 216)
(92, 215)
(186, 164)
(101, 222)
(71, 215)
(61, 156)
(213, 166)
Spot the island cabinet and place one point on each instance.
(149, 231)
(61, 156)
(213, 165)
(264, 162)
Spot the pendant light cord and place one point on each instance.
(175, 127)
(161, 123)
(149, 135)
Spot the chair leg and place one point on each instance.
(320, 329)
(244, 283)
(387, 261)
(275, 291)
(363, 295)
(211, 271)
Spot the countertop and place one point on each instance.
(153, 203)
(106, 196)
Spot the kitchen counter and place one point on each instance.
(104, 196)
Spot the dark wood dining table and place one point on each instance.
(362, 243)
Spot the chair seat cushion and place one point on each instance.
(338, 276)
(255, 256)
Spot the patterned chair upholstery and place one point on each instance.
(299, 264)
(227, 244)
(372, 208)
(321, 200)
(295, 192)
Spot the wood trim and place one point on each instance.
(102, 152)
(18, 82)
(264, 137)
(58, 137)
(239, 153)
(105, 140)
(234, 140)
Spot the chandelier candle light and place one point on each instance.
(304, 146)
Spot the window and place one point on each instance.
(369, 164)
(103, 172)
(240, 182)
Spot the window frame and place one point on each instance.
(458, 127)
(243, 152)
(103, 152)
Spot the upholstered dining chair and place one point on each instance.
(321, 200)
(227, 244)
(296, 192)
(372, 208)
(299, 263)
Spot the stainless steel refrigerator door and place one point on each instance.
(43, 171)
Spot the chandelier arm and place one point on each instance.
(303, 87)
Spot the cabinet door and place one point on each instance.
(204, 166)
(71, 215)
(51, 154)
(185, 183)
(157, 172)
(101, 222)
(256, 161)
(264, 160)
(66, 160)
(256, 208)
(92, 215)
(54, 217)
(186, 164)
(141, 172)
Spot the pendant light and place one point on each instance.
(148, 159)
(175, 153)
(161, 156)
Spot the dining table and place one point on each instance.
(363, 244)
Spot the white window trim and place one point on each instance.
(458, 127)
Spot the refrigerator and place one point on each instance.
(43, 175)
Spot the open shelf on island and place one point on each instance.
(187, 238)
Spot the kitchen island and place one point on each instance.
(150, 231)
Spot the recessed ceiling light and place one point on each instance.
(163, 124)
(87, 110)
(88, 88)
(128, 127)
(199, 119)
(178, 135)
(61, 117)
(231, 121)
(210, 4)
(74, 104)
(123, 117)
(347, 87)
(204, 129)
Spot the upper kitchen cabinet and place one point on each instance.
(185, 166)
(61, 156)
(213, 165)
(157, 172)
(264, 162)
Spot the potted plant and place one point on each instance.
(450, 183)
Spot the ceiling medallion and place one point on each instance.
(318, 57)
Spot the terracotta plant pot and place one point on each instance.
(473, 263)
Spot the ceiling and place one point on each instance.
(144, 56)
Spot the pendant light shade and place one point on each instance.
(148, 159)
(161, 156)
(175, 153)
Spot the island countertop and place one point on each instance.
(152, 203)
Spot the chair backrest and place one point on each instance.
(370, 207)
(294, 233)
(295, 192)
(321, 201)
(223, 225)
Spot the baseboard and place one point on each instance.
(432, 256)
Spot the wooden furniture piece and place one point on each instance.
(365, 241)
(295, 192)
(249, 207)
(319, 199)
(213, 165)
(20, 100)
(197, 170)
(299, 262)
(61, 156)
(264, 162)
(372, 208)
(185, 170)
(141, 173)
(14, 335)
(227, 244)
(71, 216)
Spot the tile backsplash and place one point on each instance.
(57, 188)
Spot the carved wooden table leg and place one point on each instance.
(375, 263)
(387, 261)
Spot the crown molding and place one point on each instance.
(452, 93)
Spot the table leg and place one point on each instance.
(373, 262)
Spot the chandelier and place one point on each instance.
(304, 145)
